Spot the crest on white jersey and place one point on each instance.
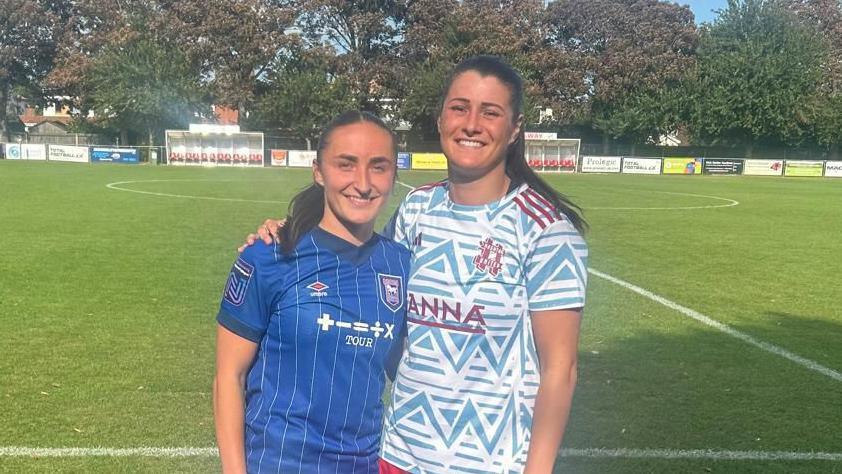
(490, 257)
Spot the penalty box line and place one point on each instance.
(622, 453)
(768, 347)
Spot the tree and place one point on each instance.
(825, 16)
(121, 60)
(302, 95)
(144, 85)
(441, 33)
(363, 35)
(625, 58)
(234, 43)
(758, 69)
(27, 44)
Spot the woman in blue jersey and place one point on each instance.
(306, 330)
(495, 295)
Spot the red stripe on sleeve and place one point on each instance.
(530, 213)
(550, 218)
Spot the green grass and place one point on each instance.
(108, 298)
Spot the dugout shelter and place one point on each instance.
(214, 145)
(547, 152)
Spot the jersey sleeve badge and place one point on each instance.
(391, 291)
(238, 282)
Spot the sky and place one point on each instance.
(703, 9)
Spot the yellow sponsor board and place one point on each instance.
(429, 161)
(804, 168)
(682, 166)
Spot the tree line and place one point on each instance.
(765, 72)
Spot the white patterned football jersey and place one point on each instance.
(465, 390)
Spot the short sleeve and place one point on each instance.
(244, 309)
(557, 268)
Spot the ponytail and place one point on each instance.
(305, 212)
(519, 172)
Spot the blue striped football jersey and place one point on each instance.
(463, 398)
(328, 318)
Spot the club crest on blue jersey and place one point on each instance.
(391, 291)
(238, 282)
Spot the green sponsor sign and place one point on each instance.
(804, 168)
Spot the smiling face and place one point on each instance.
(477, 124)
(357, 170)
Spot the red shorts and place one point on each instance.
(387, 468)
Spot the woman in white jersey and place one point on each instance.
(495, 295)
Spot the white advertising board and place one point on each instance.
(642, 165)
(300, 158)
(833, 169)
(12, 151)
(29, 151)
(601, 164)
(75, 154)
(764, 167)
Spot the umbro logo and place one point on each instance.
(318, 288)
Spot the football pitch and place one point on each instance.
(711, 342)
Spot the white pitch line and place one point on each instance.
(730, 203)
(18, 451)
(779, 351)
(700, 454)
(115, 186)
(768, 347)
(623, 453)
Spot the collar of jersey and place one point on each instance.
(490, 206)
(342, 248)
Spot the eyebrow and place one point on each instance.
(482, 104)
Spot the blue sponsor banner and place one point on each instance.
(404, 160)
(114, 155)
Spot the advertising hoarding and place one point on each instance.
(404, 160)
(429, 161)
(73, 154)
(722, 166)
(114, 155)
(33, 152)
(763, 167)
(833, 169)
(633, 165)
(804, 168)
(301, 158)
(682, 165)
(601, 164)
(279, 157)
(26, 151)
(12, 151)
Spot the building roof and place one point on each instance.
(31, 120)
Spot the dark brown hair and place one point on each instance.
(516, 167)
